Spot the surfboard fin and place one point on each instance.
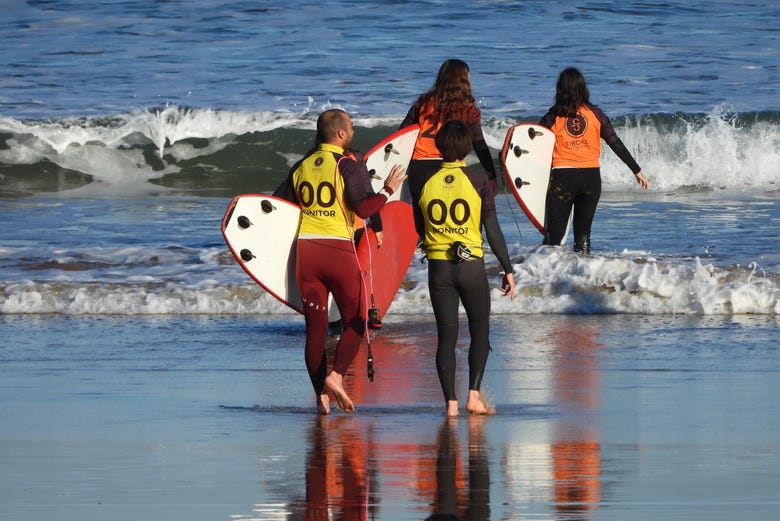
(390, 150)
(519, 151)
(532, 133)
(267, 207)
(519, 183)
(373, 318)
(243, 222)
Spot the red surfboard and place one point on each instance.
(384, 268)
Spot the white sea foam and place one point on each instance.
(549, 280)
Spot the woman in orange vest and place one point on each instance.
(449, 98)
(575, 180)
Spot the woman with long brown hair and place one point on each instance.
(575, 179)
(450, 98)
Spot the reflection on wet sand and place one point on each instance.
(404, 371)
(361, 466)
(576, 450)
(459, 497)
(344, 460)
(557, 462)
(337, 470)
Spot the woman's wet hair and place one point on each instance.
(571, 92)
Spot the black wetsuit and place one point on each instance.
(450, 281)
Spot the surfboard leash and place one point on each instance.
(351, 232)
(512, 211)
(368, 326)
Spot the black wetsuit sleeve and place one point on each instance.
(548, 120)
(495, 238)
(419, 222)
(412, 117)
(611, 138)
(493, 233)
(376, 222)
(622, 152)
(483, 153)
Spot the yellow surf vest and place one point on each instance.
(320, 188)
(452, 211)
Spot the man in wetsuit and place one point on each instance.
(453, 207)
(331, 188)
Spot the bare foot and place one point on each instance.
(323, 404)
(334, 383)
(475, 405)
(452, 409)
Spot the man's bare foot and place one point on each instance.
(334, 383)
(475, 405)
(452, 409)
(323, 404)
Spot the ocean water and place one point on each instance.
(127, 126)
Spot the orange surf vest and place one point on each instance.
(425, 146)
(577, 140)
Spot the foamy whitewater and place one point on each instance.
(125, 131)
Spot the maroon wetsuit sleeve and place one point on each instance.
(357, 187)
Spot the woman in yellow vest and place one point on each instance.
(453, 207)
(575, 180)
(332, 188)
(449, 98)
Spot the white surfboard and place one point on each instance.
(395, 149)
(527, 158)
(260, 230)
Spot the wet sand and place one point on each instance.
(209, 418)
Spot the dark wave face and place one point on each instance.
(205, 152)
